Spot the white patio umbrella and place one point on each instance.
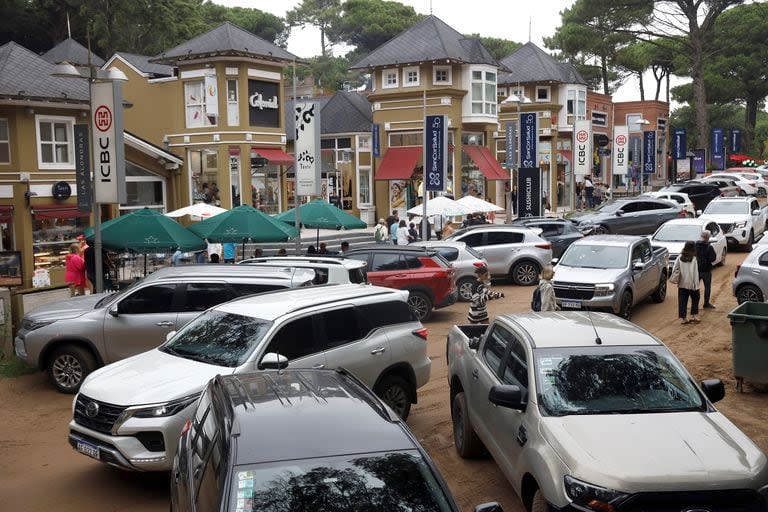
(197, 211)
(477, 205)
(441, 205)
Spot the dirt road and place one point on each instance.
(40, 472)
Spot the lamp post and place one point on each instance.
(67, 70)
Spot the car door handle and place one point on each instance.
(379, 350)
(755, 271)
(401, 276)
(176, 476)
(475, 374)
(165, 324)
(318, 367)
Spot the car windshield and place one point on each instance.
(613, 380)
(678, 233)
(219, 338)
(595, 256)
(381, 482)
(727, 207)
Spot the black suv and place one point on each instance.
(301, 440)
(700, 193)
(559, 232)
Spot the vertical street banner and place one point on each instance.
(582, 148)
(108, 148)
(529, 193)
(435, 152)
(649, 152)
(83, 169)
(699, 164)
(528, 139)
(679, 144)
(376, 140)
(307, 149)
(718, 149)
(620, 150)
(510, 135)
(735, 145)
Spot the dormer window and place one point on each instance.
(543, 94)
(441, 75)
(389, 79)
(411, 76)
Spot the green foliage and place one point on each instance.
(367, 24)
(13, 367)
(498, 48)
(263, 24)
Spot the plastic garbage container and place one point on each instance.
(749, 328)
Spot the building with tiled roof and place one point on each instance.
(142, 65)
(73, 52)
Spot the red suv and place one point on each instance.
(424, 273)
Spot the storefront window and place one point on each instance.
(233, 114)
(52, 234)
(5, 143)
(265, 187)
(365, 186)
(405, 139)
(144, 189)
(234, 179)
(472, 179)
(204, 172)
(55, 139)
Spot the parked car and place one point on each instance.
(306, 439)
(680, 198)
(464, 260)
(559, 232)
(674, 233)
(742, 219)
(613, 272)
(631, 216)
(699, 193)
(750, 280)
(750, 183)
(69, 339)
(728, 187)
(603, 418)
(129, 414)
(511, 251)
(429, 279)
(328, 270)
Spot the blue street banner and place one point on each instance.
(529, 196)
(679, 143)
(376, 140)
(718, 149)
(735, 144)
(82, 169)
(699, 164)
(435, 152)
(528, 140)
(510, 135)
(649, 152)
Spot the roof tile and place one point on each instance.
(25, 74)
(529, 63)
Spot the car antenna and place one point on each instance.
(598, 341)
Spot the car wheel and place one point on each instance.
(722, 260)
(420, 305)
(600, 230)
(625, 309)
(742, 193)
(465, 286)
(748, 293)
(396, 392)
(68, 366)
(468, 445)
(661, 292)
(751, 240)
(539, 504)
(525, 273)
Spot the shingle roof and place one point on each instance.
(25, 74)
(428, 40)
(73, 52)
(344, 112)
(141, 62)
(529, 63)
(227, 39)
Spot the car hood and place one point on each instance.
(591, 217)
(68, 308)
(672, 247)
(725, 219)
(660, 452)
(149, 377)
(565, 274)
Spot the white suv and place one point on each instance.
(129, 414)
(328, 270)
(742, 219)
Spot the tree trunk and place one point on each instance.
(658, 79)
(669, 72)
(699, 89)
(322, 42)
(749, 125)
(642, 86)
(604, 72)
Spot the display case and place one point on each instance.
(51, 238)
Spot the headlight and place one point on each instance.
(603, 289)
(164, 409)
(31, 325)
(740, 225)
(593, 497)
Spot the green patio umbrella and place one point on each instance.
(241, 224)
(322, 214)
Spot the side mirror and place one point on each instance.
(698, 212)
(638, 265)
(755, 212)
(554, 261)
(113, 310)
(170, 335)
(489, 507)
(713, 389)
(619, 213)
(272, 361)
(506, 395)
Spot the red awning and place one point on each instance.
(57, 211)
(6, 214)
(275, 156)
(398, 163)
(485, 162)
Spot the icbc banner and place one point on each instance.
(108, 149)
(620, 150)
(582, 148)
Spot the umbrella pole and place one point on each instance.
(145, 264)
(243, 248)
(318, 236)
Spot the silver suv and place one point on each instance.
(71, 338)
(750, 283)
(464, 260)
(511, 251)
(328, 270)
(130, 413)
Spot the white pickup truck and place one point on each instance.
(585, 411)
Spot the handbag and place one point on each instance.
(675, 277)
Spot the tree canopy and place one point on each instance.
(367, 24)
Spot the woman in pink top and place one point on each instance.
(75, 271)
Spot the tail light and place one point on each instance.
(479, 264)
(736, 273)
(544, 246)
(683, 213)
(421, 333)
(187, 426)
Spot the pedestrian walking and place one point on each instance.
(201, 257)
(230, 251)
(481, 294)
(214, 258)
(344, 247)
(546, 291)
(393, 232)
(685, 274)
(413, 235)
(381, 233)
(74, 275)
(448, 229)
(392, 219)
(177, 257)
(705, 257)
(401, 234)
(589, 192)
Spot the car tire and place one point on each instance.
(396, 392)
(722, 260)
(751, 240)
(525, 273)
(661, 292)
(69, 366)
(539, 504)
(420, 304)
(465, 439)
(748, 293)
(465, 286)
(742, 193)
(625, 307)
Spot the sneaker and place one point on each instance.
(709, 306)
(695, 319)
(683, 321)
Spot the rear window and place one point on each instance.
(358, 276)
(387, 313)
(449, 253)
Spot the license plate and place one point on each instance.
(88, 449)
(571, 304)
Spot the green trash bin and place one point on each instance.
(749, 328)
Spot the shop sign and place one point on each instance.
(620, 150)
(307, 142)
(108, 148)
(436, 152)
(735, 140)
(528, 140)
(41, 278)
(699, 161)
(82, 169)
(510, 135)
(529, 192)
(263, 103)
(649, 152)
(718, 148)
(679, 143)
(376, 140)
(582, 143)
(61, 191)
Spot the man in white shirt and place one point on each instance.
(589, 192)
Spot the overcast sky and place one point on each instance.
(491, 18)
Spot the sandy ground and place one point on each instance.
(40, 472)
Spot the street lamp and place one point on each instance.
(66, 70)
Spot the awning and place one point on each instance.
(57, 211)
(399, 163)
(6, 214)
(275, 156)
(487, 164)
